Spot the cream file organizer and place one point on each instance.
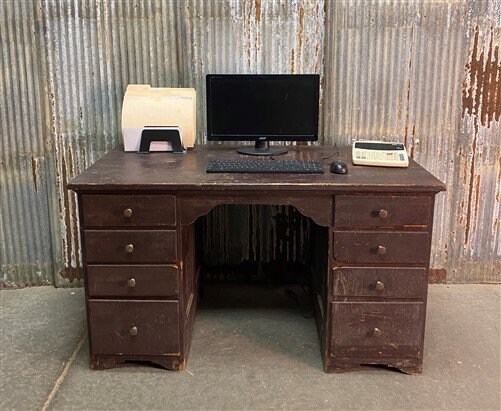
(379, 153)
(146, 106)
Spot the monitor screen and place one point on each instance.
(249, 107)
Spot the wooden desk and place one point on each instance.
(374, 226)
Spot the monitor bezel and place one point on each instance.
(260, 137)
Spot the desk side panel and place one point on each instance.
(190, 273)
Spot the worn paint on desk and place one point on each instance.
(127, 171)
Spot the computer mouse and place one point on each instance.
(339, 167)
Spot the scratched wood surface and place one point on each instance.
(118, 170)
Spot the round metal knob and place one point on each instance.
(381, 250)
(383, 213)
(128, 212)
(377, 332)
(129, 248)
(379, 285)
(131, 282)
(133, 331)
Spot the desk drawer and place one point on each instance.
(134, 327)
(381, 211)
(379, 282)
(381, 247)
(139, 246)
(377, 329)
(128, 210)
(132, 281)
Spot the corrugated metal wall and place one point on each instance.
(428, 74)
(423, 72)
(26, 191)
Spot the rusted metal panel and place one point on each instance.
(427, 74)
(25, 234)
(475, 250)
(422, 72)
(255, 233)
(102, 47)
(248, 36)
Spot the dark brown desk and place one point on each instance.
(373, 234)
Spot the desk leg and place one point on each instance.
(105, 362)
(407, 366)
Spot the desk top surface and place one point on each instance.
(118, 170)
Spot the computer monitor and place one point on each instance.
(262, 108)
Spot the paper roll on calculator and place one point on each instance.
(379, 153)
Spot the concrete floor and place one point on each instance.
(247, 356)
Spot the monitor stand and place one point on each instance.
(262, 148)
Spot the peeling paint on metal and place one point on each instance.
(482, 86)
(395, 71)
(475, 235)
(34, 172)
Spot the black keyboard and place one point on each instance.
(266, 166)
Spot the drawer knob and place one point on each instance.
(377, 332)
(129, 248)
(133, 331)
(379, 285)
(131, 282)
(381, 250)
(383, 213)
(128, 212)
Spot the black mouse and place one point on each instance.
(339, 167)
